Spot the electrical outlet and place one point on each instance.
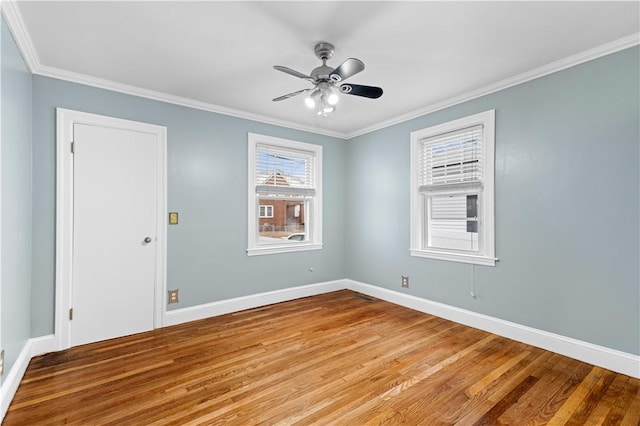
(173, 296)
(1, 362)
(405, 281)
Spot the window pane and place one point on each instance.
(451, 158)
(472, 205)
(449, 223)
(285, 223)
(472, 213)
(281, 167)
(265, 211)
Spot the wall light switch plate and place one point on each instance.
(173, 218)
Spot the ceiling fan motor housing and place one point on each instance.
(324, 50)
(321, 73)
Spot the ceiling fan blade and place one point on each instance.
(346, 69)
(359, 90)
(293, 72)
(290, 95)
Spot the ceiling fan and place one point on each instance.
(327, 82)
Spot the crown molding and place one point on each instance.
(568, 62)
(87, 80)
(19, 31)
(20, 34)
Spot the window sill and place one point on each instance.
(455, 257)
(289, 248)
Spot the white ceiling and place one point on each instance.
(219, 55)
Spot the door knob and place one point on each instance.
(147, 240)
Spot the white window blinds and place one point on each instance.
(451, 161)
(284, 171)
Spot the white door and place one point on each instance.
(114, 225)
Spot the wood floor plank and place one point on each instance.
(565, 412)
(331, 359)
(496, 373)
(607, 402)
(480, 404)
(632, 415)
(382, 380)
(491, 417)
(362, 365)
(453, 399)
(358, 413)
(546, 395)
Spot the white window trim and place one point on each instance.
(314, 229)
(267, 207)
(417, 207)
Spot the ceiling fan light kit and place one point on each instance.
(327, 82)
(323, 99)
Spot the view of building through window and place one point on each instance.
(286, 222)
(285, 196)
(282, 220)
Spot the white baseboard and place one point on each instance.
(601, 356)
(611, 359)
(236, 304)
(34, 347)
(43, 344)
(13, 378)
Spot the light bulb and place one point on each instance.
(314, 99)
(323, 99)
(332, 95)
(310, 102)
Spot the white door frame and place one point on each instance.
(64, 214)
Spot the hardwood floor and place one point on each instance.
(333, 359)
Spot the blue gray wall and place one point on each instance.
(567, 204)
(15, 194)
(207, 185)
(567, 207)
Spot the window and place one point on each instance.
(285, 196)
(266, 211)
(452, 207)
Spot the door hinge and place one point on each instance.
(70, 314)
(72, 148)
